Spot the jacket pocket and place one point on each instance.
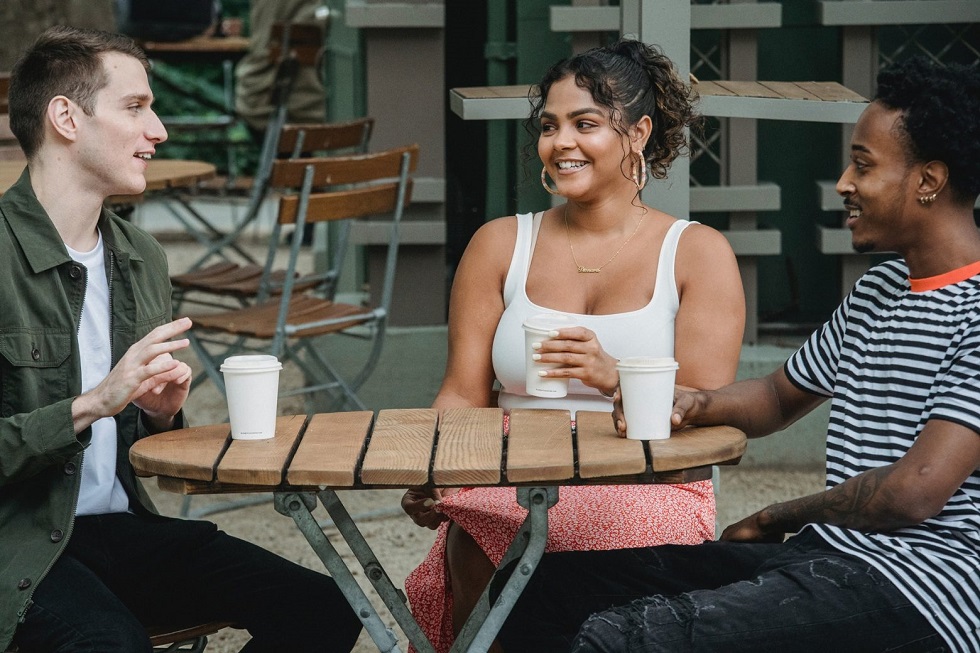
(34, 369)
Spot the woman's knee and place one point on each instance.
(466, 562)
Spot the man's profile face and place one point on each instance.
(876, 183)
(117, 140)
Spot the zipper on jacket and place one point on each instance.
(64, 543)
(78, 483)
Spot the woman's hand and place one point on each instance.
(420, 503)
(578, 350)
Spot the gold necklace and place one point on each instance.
(584, 270)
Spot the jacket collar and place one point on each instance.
(37, 235)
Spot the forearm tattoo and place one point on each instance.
(863, 502)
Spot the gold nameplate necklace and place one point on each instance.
(581, 268)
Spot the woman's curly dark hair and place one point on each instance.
(940, 108)
(631, 79)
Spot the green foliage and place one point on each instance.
(197, 90)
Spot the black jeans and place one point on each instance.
(719, 596)
(121, 573)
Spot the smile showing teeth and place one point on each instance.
(854, 213)
(570, 165)
(144, 156)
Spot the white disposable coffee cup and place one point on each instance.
(252, 388)
(536, 329)
(647, 386)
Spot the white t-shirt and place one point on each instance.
(101, 491)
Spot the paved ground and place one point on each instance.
(408, 376)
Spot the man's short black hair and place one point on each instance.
(940, 108)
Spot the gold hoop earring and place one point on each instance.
(544, 182)
(639, 172)
(927, 199)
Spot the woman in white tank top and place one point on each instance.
(634, 281)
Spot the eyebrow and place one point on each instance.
(857, 147)
(573, 114)
(140, 97)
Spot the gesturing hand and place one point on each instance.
(578, 350)
(147, 375)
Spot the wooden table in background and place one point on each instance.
(198, 48)
(312, 456)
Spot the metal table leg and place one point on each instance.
(481, 629)
(299, 507)
(393, 598)
(483, 624)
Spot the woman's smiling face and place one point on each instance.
(579, 145)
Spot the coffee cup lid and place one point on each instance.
(547, 321)
(647, 362)
(251, 363)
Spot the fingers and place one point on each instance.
(178, 374)
(619, 418)
(160, 341)
(421, 504)
(684, 409)
(577, 333)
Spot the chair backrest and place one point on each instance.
(4, 91)
(303, 41)
(9, 147)
(369, 184)
(306, 139)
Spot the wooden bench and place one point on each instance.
(850, 13)
(753, 15)
(803, 101)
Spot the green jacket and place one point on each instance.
(40, 375)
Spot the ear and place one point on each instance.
(932, 178)
(61, 115)
(640, 133)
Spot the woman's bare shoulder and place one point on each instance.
(494, 239)
(704, 254)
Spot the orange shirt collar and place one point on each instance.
(926, 284)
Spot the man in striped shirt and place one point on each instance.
(887, 558)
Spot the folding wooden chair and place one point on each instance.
(185, 640)
(9, 148)
(170, 640)
(287, 326)
(241, 282)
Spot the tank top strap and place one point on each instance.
(666, 279)
(520, 262)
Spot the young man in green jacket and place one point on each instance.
(86, 368)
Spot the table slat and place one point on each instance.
(790, 91)
(712, 88)
(399, 450)
(697, 446)
(748, 89)
(470, 447)
(832, 92)
(172, 454)
(602, 452)
(261, 462)
(330, 449)
(539, 447)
